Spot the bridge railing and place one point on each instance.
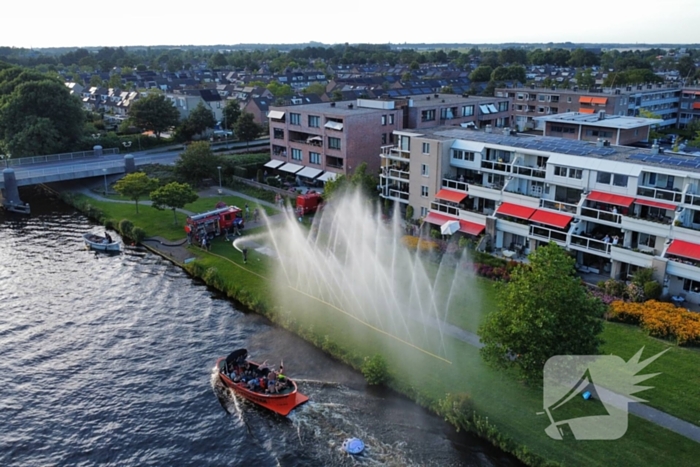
(20, 161)
(67, 169)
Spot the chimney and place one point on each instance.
(437, 95)
(601, 115)
(349, 106)
(332, 104)
(506, 131)
(600, 143)
(654, 149)
(488, 129)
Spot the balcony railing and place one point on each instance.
(452, 210)
(534, 172)
(316, 143)
(692, 199)
(591, 244)
(547, 234)
(394, 173)
(660, 193)
(398, 194)
(601, 215)
(495, 165)
(455, 184)
(558, 206)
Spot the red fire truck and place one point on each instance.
(215, 222)
(308, 203)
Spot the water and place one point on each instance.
(108, 360)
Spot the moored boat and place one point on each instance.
(101, 243)
(281, 402)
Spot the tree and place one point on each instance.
(482, 74)
(245, 128)
(37, 114)
(585, 78)
(315, 88)
(200, 119)
(135, 186)
(197, 162)
(685, 67)
(115, 81)
(154, 112)
(232, 111)
(174, 196)
(280, 90)
(543, 311)
(359, 180)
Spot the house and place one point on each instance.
(187, 100)
(617, 129)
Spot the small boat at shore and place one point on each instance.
(281, 403)
(101, 243)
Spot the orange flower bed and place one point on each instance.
(659, 319)
(415, 243)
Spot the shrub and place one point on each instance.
(458, 409)
(272, 181)
(138, 234)
(435, 233)
(375, 370)
(126, 227)
(240, 172)
(659, 319)
(652, 290)
(409, 212)
(614, 288)
(109, 224)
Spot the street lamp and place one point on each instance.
(6, 158)
(104, 171)
(219, 169)
(126, 144)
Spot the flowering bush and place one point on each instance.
(659, 319)
(422, 245)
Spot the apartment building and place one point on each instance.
(529, 102)
(618, 130)
(615, 208)
(318, 141)
(689, 106)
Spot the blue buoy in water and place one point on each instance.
(353, 446)
(586, 395)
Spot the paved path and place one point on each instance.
(178, 252)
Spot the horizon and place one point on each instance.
(208, 25)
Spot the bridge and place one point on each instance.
(87, 164)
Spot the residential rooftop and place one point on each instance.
(561, 146)
(608, 121)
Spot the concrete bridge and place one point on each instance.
(87, 164)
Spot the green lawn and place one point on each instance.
(511, 406)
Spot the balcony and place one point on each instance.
(480, 191)
(598, 215)
(549, 235)
(511, 225)
(397, 195)
(445, 208)
(590, 245)
(558, 206)
(394, 153)
(692, 199)
(652, 226)
(496, 166)
(683, 268)
(395, 174)
(630, 256)
(534, 172)
(660, 193)
(455, 185)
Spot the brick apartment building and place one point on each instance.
(318, 141)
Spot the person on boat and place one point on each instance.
(108, 237)
(253, 384)
(272, 382)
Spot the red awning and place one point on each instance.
(553, 219)
(684, 249)
(452, 196)
(655, 204)
(514, 210)
(609, 198)
(696, 105)
(471, 228)
(584, 100)
(438, 219)
(586, 111)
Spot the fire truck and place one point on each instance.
(214, 223)
(309, 203)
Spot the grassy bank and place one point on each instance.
(435, 366)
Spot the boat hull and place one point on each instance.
(281, 404)
(96, 243)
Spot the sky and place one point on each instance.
(158, 22)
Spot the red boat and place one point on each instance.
(281, 403)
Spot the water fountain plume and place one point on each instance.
(354, 261)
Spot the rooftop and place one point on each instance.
(608, 121)
(340, 108)
(552, 145)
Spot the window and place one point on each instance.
(278, 133)
(691, 286)
(575, 173)
(383, 119)
(467, 111)
(567, 172)
(599, 133)
(383, 138)
(562, 129)
(620, 180)
(462, 155)
(503, 106)
(426, 148)
(540, 110)
(334, 143)
(427, 115)
(604, 178)
(423, 211)
(568, 99)
(405, 143)
(391, 119)
(424, 191)
(296, 154)
(314, 158)
(424, 170)
(542, 97)
(314, 121)
(294, 119)
(559, 171)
